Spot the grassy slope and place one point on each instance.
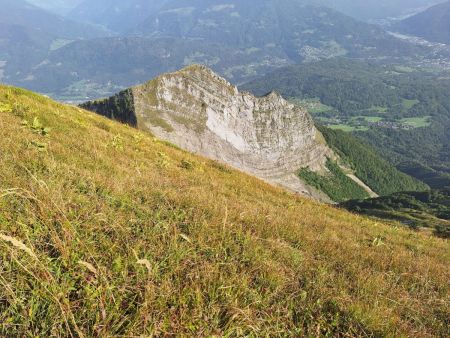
(107, 231)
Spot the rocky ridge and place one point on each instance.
(201, 112)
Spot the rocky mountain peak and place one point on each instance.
(200, 111)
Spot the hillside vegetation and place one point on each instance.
(106, 231)
(430, 209)
(335, 183)
(359, 158)
(403, 113)
(378, 174)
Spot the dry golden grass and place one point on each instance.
(110, 232)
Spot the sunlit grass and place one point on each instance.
(106, 231)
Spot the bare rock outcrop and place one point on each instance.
(203, 113)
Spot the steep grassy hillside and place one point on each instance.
(105, 231)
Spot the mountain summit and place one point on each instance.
(201, 112)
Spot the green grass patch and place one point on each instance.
(335, 184)
(404, 69)
(378, 109)
(417, 122)
(373, 119)
(59, 43)
(314, 106)
(408, 104)
(347, 128)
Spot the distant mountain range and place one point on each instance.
(432, 24)
(117, 15)
(241, 41)
(28, 34)
(378, 9)
(22, 13)
(57, 6)
(123, 16)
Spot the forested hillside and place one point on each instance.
(368, 165)
(403, 113)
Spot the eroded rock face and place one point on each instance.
(203, 113)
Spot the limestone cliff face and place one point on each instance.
(203, 113)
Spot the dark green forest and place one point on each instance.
(119, 107)
(378, 174)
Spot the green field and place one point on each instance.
(417, 122)
(408, 104)
(314, 106)
(346, 127)
(372, 119)
(59, 43)
(378, 109)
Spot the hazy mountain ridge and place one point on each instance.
(22, 13)
(432, 24)
(58, 6)
(122, 16)
(28, 34)
(117, 15)
(286, 33)
(302, 31)
(378, 9)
